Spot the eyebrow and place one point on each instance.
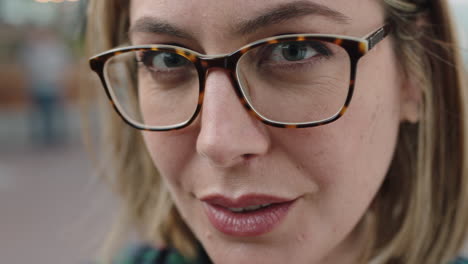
(273, 16)
(289, 11)
(153, 25)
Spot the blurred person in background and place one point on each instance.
(45, 60)
(241, 143)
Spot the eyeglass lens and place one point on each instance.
(288, 82)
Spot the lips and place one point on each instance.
(248, 215)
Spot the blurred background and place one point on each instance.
(52, 208)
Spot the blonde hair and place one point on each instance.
(420, 213)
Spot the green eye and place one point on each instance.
(171, 60)
(296, 52)
(158, 60)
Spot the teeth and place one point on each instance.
(248, 208)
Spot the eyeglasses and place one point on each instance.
(298, 80)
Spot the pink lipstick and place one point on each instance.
(248, 215)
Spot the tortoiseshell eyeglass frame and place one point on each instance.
(355, 47)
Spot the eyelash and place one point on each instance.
(322, 52)
(264, 54)
(146, 60)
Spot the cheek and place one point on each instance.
(171, 153)
(350, 157)
(370, 128)
(358, 145)
(368, 132)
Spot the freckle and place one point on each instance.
(299, 167)
(208, 235)
(301, 237)
(361, 136)
(320, 153)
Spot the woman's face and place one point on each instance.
(319, 181)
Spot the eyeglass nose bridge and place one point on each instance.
(228, 63)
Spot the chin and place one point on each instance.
(256, 254)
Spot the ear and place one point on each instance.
(410, 98)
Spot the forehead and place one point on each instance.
(208, 19)
(237, 8)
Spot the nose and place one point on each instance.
(229, 135)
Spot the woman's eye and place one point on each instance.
(162, 61)
(296, 51)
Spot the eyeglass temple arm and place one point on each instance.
(374, 38)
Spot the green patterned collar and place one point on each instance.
(144, 254)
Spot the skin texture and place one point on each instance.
(334, 170)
